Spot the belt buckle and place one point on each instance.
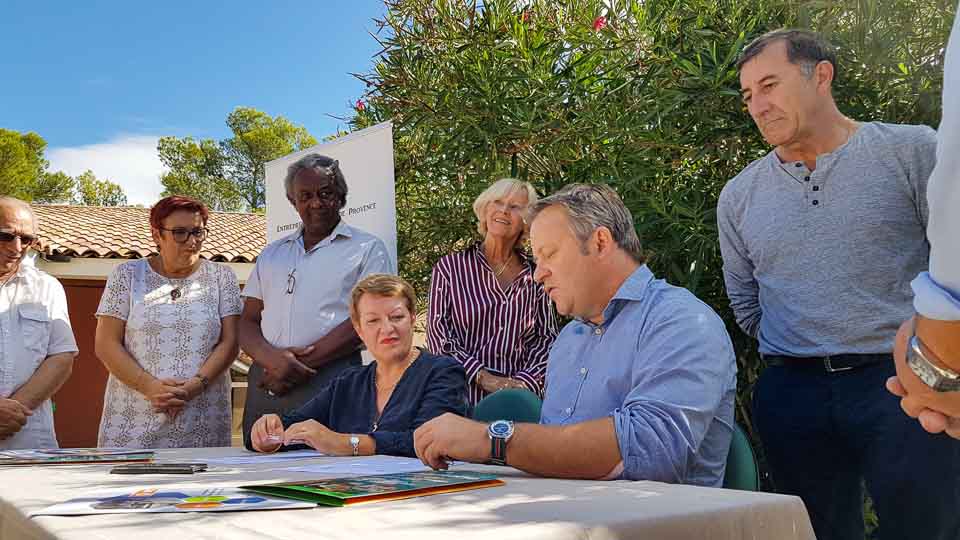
(828, 365)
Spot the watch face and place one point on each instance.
(501, 428)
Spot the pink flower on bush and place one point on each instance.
(360, 106)
(599, 23)
(525, 16)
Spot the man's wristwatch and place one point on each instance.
(355, 444)
(499, 432)
(939, 378)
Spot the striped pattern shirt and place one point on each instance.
(508, 333)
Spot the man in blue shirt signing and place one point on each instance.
(639, 386)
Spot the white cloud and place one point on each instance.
(128, 160)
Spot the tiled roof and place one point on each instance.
(123, 232)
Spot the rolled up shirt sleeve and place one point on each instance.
(937, 293)
(677, 392)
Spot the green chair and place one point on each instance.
(741, 464)
(514, 404)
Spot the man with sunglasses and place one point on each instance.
(37, 346)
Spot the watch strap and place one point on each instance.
(498, 451)
(938, 378)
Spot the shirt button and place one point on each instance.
(583, 371)
(816, 202)
(798, 164)
(598, 331)
(806, 178)
(568, 410)
(816, 188)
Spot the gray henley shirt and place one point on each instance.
(819, 262)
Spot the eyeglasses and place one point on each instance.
(26, 240)
(180, 235)
(291, 281)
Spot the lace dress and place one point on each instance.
(172, 325)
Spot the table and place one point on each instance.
(525, 508)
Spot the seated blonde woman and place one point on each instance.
(373, 409)
(486, 310)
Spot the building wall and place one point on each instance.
(80, 401)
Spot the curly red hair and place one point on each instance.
(176, 203)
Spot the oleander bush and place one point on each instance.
(642, 95)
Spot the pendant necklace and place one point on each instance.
(414, 353)
(503, 266)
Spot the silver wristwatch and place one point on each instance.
(355, 444)
(936, 377)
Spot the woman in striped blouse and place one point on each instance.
(485, 309)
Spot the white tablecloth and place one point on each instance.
(524, 508)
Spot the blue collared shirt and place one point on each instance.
(662, 365)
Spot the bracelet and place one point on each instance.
(203, 380)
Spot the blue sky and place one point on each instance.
(101, 81)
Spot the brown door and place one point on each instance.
(80, 401)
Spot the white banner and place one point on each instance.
(366, 159)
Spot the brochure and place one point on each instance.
(170, 499)
(381, 487)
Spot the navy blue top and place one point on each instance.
(431, 386)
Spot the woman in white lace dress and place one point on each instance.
(167, 332)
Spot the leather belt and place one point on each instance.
(830, 364)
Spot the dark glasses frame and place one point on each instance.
(26, 240)
(181, 236)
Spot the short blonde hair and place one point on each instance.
(382, 285)
(501, 189)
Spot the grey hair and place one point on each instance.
(501, 189)
(319, 164)
(804, 48)
(13, 202)
(589, 207)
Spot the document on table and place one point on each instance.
(254, 458)
(361, 466)
(154, 499)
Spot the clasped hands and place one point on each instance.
(938, 412)
(13, 416)
(285, 369)
(268, 435)
(492, 383)
(170, 395)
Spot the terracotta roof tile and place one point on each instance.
(123, 232)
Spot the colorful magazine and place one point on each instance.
(166, 500)
(73, 456)
(381, 487)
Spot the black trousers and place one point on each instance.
(825, 434)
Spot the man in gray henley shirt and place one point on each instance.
(820, 239)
